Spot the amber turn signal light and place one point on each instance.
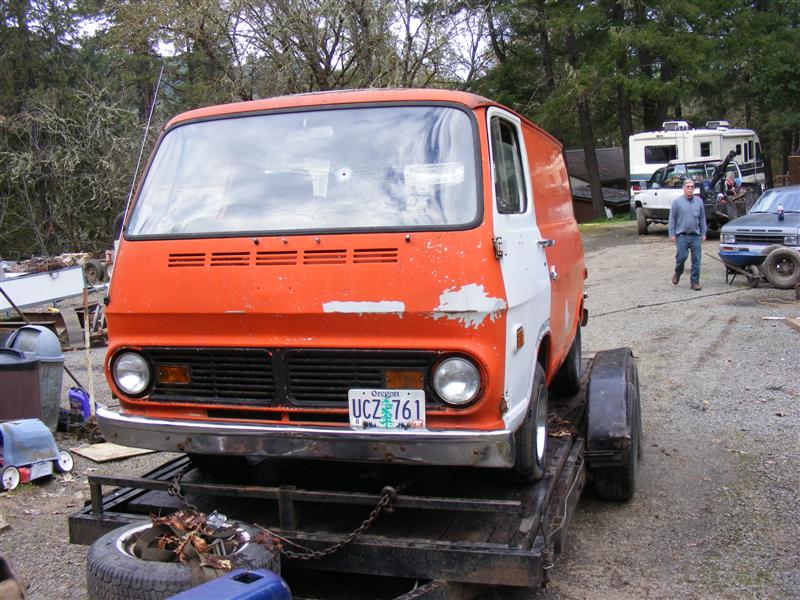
(173, 374)
(404, 380)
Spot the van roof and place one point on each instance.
(330, 98)
(336, 97)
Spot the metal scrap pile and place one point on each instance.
(44, 264)
(189, 537)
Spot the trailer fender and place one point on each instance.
(613, 424)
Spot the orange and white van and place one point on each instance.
(377, 275)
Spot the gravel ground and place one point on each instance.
(715, 514)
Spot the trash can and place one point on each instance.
(39, 342)
(19, 382)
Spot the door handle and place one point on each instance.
(546, 243)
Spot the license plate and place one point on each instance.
(41, 469)
(387, 409)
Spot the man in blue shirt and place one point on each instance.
(687, 228)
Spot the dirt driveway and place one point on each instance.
(716, 514)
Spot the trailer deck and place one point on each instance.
(447, 532)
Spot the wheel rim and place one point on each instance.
(126, 541)
(541, 427)
(10, 478)
(65, 461)
(785, 267)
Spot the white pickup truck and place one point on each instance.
(652, 205)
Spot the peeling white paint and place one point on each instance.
(470, 304)
(365, 308)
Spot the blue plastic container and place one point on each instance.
(79, 402)
(260, 584)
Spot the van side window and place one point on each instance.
(705, 148)
(509, 184)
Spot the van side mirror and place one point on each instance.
(116, 227)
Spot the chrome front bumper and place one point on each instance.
(451, 447)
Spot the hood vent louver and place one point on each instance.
(195, 259)
(230, 259)
(278, 258)
(325, 257)
(375, 255)
(358, 256)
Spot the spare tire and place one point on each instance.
(112, 573)
(782, 268)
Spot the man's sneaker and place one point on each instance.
(675, 278)
(697, 287)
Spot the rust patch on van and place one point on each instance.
(469, 304)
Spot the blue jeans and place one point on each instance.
(685, 243)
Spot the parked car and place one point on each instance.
(767, 237)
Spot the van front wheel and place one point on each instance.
(531, 438)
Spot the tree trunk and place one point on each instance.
(625, 127)
(587, 136)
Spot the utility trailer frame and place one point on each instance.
(460, 532)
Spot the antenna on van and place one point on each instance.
(144, 139)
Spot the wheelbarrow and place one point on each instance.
(752, 273)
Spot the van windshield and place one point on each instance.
(341, 169)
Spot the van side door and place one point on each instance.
(522, 258)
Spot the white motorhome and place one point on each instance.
(651, 150)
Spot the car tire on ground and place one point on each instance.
(113, 574)
(531, 437)
(94, 272)
(641, 221)
(782, 268)
(567, 381)
(766, 252)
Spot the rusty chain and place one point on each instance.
(384, 504)
(389, 494)
(174, 489)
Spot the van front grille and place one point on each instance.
(217, 376)
(325, 376)
(246, 378)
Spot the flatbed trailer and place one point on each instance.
(448, 533)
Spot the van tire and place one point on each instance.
(567, 381)
(532, 434)
(782, 268)
(641, 221)
(112, 574)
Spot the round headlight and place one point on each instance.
(456, 381)
(131, 373)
